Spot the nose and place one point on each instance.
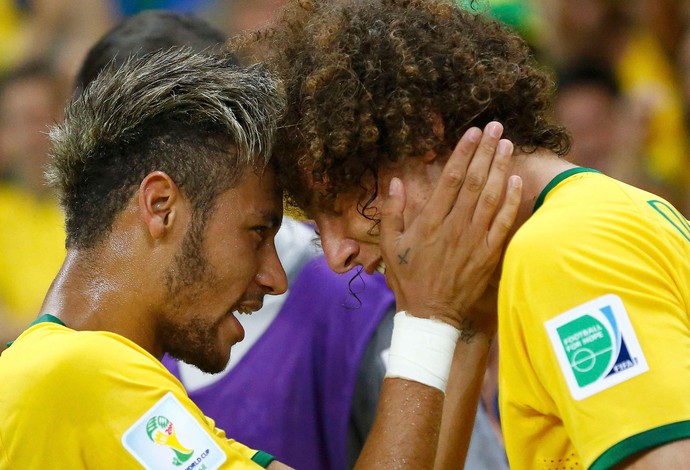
(271, 276)
(341, 252)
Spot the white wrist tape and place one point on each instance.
(421, 350)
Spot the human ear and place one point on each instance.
(158, 194)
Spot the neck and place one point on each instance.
(88, 296)
(536, 170)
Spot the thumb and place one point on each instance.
(392, 222)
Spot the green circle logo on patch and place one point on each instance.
(588, 347)
(596, 346)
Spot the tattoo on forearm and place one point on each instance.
(402, 259)
(467, 331)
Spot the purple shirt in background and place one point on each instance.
(291, 393)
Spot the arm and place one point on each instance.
(460, 408)
(673, 456)
(438, 267)
(406, 427)
(465, 382)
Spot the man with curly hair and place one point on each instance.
(594, 298)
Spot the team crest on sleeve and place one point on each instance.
(168, 437)
(596, 346)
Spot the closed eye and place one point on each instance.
(262, 231)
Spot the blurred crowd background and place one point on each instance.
(622, 69)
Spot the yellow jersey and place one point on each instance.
(94, 399)
(594, 326)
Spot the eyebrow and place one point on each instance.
(271, 218)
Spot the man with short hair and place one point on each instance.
(593, 300)
(170, 214)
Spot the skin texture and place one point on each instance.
(433, 224)
(213, 272)
(673, 456)
(462, 396)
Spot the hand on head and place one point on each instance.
(441, 263)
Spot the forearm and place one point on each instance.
(405, 432)
(462, 396)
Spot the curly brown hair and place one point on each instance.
(368, 80)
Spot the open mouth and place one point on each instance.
(247, 308)
(381, 267)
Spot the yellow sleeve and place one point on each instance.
(597, 334)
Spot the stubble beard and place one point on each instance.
(194, 339)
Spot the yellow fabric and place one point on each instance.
(32, 238)
(644, 70)
(593, 236)
(10, 30)
(67, 398)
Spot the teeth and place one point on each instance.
(244, 311)
(381, 268)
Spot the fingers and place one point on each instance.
(392, 222)
(479, 171)
(445, 195)
(491, 194)
(500, 228)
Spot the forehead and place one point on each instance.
(325, 202)
(254, 195)
(369, 188)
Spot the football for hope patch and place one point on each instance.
(168, 437)
(596, 346)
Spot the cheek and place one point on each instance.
(234, 267)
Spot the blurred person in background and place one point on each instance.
(616, 33)
(683, 70)
(608, 130)
(243, 15)
(31, 228)
(60, 30)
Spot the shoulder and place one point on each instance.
(586, 212)
(53, 357)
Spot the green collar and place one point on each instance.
(46, 318)
(554, 182)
